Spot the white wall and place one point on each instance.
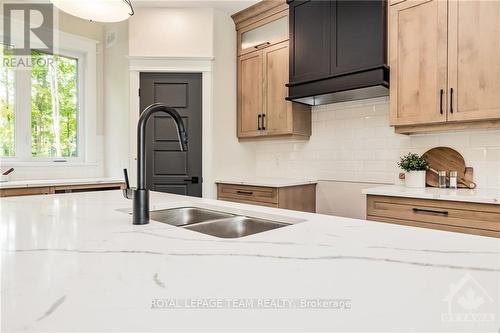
(116, 101)
(353, 147)
(171, 32)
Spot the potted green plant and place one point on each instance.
(415, 167)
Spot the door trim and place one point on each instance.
(201, 65)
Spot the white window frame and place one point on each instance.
(85, 51)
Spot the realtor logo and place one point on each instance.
(468, 301)
(28, 26)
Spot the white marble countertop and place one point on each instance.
(464, 195)
(72, 262)
(268, 182)
(57, 182)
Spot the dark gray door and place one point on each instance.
(168, 168)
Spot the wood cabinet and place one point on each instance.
(43, 190)
(470, 218)
(263, 68)
(337, 46)
(445, 71)
(300, 197)
(250, 91)
(474, 60)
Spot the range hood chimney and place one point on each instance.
(338, 51)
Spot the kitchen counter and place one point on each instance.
(58, 182)
(75, 262)
(268, 182)
(464, 195)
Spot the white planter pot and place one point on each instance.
(415, 179)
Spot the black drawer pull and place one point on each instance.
(258, 122)
(430, 211)
(245, 192)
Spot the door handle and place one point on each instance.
(263, 126)
(258, 122)
(441, 101)
(451, 100)
(194, 180)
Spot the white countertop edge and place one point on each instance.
(268, 182)
(57, 182)
(485, 196)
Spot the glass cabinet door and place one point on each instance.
(253, 38)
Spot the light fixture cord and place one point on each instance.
(129, 3)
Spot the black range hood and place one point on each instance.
(338, 51)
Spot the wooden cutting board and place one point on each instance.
(447, 159)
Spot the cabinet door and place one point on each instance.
(269, 31)
(358, 35)
(278, 113)
(250, 103)
(418, 61)
(309, 39)
(474, 60)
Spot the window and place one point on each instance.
(43, 123)
(7, 96)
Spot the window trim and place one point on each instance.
(85, 50)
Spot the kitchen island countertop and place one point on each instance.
(75, 262)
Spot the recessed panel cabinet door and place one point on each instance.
(310, 34)
(418, 61)
(278, 111)
(250, 100)
(474, 60)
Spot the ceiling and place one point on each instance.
(228, 6)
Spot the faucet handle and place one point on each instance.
(128, 193)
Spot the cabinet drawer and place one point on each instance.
(435, 212)
(248, 193)
(15, 192)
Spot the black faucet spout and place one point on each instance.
(141, 194)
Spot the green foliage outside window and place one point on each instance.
(54, 115)
(54, 105)
(7, 97)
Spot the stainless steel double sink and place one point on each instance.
(214, 223)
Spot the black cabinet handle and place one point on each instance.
(451, 100)
(441, 102)
(245, 192)
(263, 126)
(430, 211)
(258, 122)
(262, 44)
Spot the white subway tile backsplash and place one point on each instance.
(353, 142)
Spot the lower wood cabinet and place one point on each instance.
(470, 218)
(22, 191)
(300, 197)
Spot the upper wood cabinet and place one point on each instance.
(250, 102)
(418, 62)
(474, 60)
(263, 73)
(445, 68)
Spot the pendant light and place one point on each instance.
(97, 10)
